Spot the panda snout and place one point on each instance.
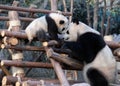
(65, 38)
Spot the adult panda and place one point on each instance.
(52, 24)
(88, 47)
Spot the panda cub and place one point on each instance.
(88, 46)
(52, 24)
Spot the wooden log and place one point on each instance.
(10, 41)
(23, 35)
(26, 64)
(64, 59)
(113, 44)
(23, 14)
(117, 52)
(60, 74)
(33, 64)
(30, 10)
(7, 80)
(4, 69)
(36, 83)
(43, 83)
(35, 48)
(13, 34)
(21, 48)
(5, 18)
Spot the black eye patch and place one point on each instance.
(61, 22)
(67, 32)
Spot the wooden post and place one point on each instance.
(57, 68)
(14, 25)
(5, 70)
(71, 10)
(53, 5)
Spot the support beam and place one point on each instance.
(30, 10)
(64, 59)
(8, 80)
(35, 48)
(33, 64)
(16, 34)
(112, 44)
(21, 48)
(26, 64)
(23, 35)
(5, 18)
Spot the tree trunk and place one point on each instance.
(108, 19)
(103, 19)
(71, 10)
(64, 4)
(95, 24)
(88, 14)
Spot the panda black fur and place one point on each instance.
(88, 47)
(52, 24)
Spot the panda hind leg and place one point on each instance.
(96, 78)
(41, 35)
(27, 42)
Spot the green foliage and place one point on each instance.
(80, 12)
(115, 20)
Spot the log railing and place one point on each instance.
(31, 10)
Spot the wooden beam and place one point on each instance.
(26, 64)
(64, 59)
(33, 64)
(30, 10)
(112, 44)
(35, 48)
(16, 34)
(23, 35)
(5, 18)
(4, 69)
(7, 80)
(21, 48)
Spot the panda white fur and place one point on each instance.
(52, 23)
(88, 47)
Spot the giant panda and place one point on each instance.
(88, 47)
(52, 24)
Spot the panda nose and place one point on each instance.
(63, 38)
(67, 38)
(63, 29)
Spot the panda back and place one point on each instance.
(35, 26)
(104, 62)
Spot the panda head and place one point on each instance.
(60, 20)
(76, 29)
(70, 34)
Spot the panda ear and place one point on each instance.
(75, 21)
(61, 22)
